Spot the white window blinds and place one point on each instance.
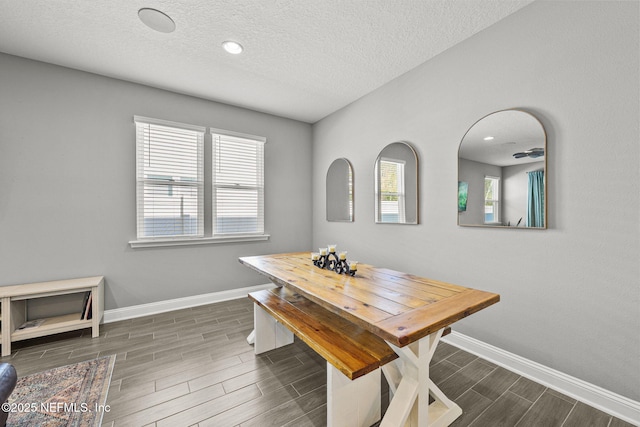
(392, 191)
(170, 179)
(238, 183)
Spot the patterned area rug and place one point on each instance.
(72, 395)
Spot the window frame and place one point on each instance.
(400, 192)
(495, 201)
(206, 237)
(144, 180)
(260, 142)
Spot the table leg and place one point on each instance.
(410, 386)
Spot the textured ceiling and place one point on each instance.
(303, 59)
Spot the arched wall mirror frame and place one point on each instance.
(339, 185)
(396, 184)
(502, 168)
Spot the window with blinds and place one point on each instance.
(170, 179)
(238, 183)
(392, 191)
(491, 200)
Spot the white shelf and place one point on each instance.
(52, 325)
(14, 309)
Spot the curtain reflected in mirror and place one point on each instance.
(396, 185)
(339, 187)
(501, 172)
(535, 206)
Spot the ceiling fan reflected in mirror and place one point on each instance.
(532, 152)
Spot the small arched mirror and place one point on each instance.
(340, 191)
(502, 172)
(396, 186)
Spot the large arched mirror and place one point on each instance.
(396, 184)
(502, 172)
(340, 191)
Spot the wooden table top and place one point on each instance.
(399, 307)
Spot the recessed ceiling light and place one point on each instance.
(488, 138)
(232, 47)
(156, 20)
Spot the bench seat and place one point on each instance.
(352, 350)
(355, 357)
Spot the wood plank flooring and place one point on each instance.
(193, 367)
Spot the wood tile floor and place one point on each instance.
(194, 367)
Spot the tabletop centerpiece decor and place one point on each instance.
(327, 258)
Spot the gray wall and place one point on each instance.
(67, 185)
(570, 294)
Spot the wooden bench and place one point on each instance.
(353, 354)
(352, 350)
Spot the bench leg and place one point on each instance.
(409, 382)
(352, 403)
(251, 339)
(268, 334)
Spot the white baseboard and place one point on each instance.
(178, 303)
(593, 395)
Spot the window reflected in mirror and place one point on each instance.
(339, 188)
(492, 200)
(502, 172)
(396, 185)
(392, 191)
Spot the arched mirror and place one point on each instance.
(340, 191)
(502, 172)
(396, 184)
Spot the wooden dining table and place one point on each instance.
(408, 311)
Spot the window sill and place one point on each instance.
(159, 243)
